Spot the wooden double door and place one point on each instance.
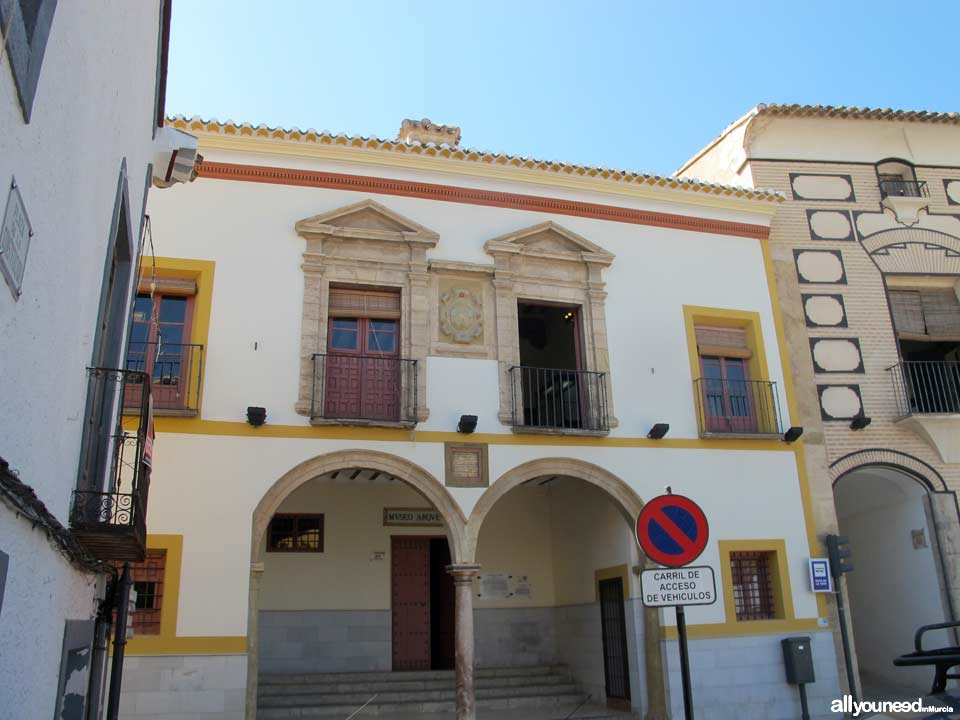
(362, 376)
(422, 604)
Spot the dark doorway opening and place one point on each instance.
(442, 607)
(553, 387)
(422, 600)
(616, 668)
(931, 375)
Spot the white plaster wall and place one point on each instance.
(206, 488)
(42, 591)
(517, 539)
(343, 576)
(258, 295)
(94, 106)
(853, 140)
(894, 588)
(589, 533)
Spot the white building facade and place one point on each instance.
(865, 252)
(81, 91)
(418, 436)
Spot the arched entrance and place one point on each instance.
(890, 511)
(558, 587)
(349, 559)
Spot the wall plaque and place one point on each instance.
(15, 234)
(466, 465)
(496, 586)
(412, 517)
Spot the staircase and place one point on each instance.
(411, 694)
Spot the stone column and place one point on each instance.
(463, 584)
(253, 642)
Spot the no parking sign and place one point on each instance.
(672, 530)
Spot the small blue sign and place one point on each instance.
(820, 575)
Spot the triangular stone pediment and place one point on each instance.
(549, 240)
(366, 219)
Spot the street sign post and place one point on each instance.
(672, 530)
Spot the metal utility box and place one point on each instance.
(798, 660)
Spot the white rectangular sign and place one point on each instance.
(820, 575)
(664, 587)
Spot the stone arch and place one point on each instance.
(410, 473)
(628, 503)
(626, 500)
(910, 466)
(413, 475)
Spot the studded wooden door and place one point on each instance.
(410, 602)
(614, 628)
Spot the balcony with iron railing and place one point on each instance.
(927, 396)
(363, 390)
(926, 387)
(559, 401)
(903, 188)
(737, 408)
(175, 372)
(109, 510)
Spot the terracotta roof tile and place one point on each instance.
(323, 137)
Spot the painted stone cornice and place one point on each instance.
(551, 241)
(367, 220)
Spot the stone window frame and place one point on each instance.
(377, 249)
(551, 264)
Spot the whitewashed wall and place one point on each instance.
(248, 230)
(94, 107)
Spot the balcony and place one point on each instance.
(737, 408)
(903, 188)
(108, 514)
(372, 390)
(927, 396)
(175, 373)
(559, 401)
(905, 198)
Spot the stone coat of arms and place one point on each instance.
(461, 315)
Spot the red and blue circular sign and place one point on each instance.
(672, 530)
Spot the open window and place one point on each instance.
(927, 322)
(555, 390)
(898, 179)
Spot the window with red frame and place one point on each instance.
(752, 574)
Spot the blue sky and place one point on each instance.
(634, 85)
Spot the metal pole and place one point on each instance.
(119, 642)
(684, 662)
(845, 639)
(804, 709)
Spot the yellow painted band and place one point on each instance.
(741, 629)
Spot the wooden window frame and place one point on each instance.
(272, 548)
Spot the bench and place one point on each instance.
(944, 658)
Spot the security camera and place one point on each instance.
(174, 157)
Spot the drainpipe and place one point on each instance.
(122, 604)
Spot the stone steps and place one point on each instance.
(281, 697)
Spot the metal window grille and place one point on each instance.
(148, 581)
(753, 585)
(296, 533)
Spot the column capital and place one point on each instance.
(463, 574)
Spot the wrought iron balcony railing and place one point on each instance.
(109, 510)
(903, 188)
(737, 407)
(550, 398)
(924, 387)
(363, 388)
(175, 373)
